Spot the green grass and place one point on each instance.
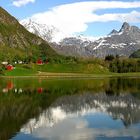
(89, 70)
(33, 69)
(72, 68)
(19, 71)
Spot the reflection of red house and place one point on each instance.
(40, 90)
(9, 67)
(39, 62)
(10, 85)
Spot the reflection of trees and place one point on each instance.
(111, 86)
(16, 109)
(110, 92)
(121, 85)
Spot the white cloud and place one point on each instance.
(74, 18)
(19, 3)
(132, 17)
(75, 125)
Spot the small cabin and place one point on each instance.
(20, 62)
(4, 63)
(9, 67)
(39, 62)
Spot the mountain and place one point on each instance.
(41, 30)
(17, 42)
(46, 32)
(113, 32)
(73, 46)
(123, 42)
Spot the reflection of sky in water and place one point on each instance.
(100, 120)
(85, 117)
(101, 110)
(91, 126)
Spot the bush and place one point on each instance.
(124, 65)
(2, 68)
(109, 58)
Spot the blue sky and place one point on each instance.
(96, 18)
(32, 8)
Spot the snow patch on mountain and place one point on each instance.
(100, 44)
(51, 33)
(123, 42)
(46, 32)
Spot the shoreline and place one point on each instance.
(73, 75)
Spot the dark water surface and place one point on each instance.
(70, 109)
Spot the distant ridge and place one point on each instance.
(123, 42)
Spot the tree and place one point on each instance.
(109, 58)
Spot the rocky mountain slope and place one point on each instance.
(40, 30)
(123, 42)
(46, 32)
(16, 41)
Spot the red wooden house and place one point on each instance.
(39, 62)
(9, 67)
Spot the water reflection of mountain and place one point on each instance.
(23, 99)
(124, 107)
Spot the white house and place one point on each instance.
(4, 63)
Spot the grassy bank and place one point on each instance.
(64, 70)
(33, 69)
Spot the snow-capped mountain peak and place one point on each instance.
(123, 42)
(125, 27)
(48, 33)
(113, 32)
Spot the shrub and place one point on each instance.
(109, 58)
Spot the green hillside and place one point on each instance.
(17, 43)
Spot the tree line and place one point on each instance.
(123, 65)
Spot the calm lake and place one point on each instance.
(70, 109)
